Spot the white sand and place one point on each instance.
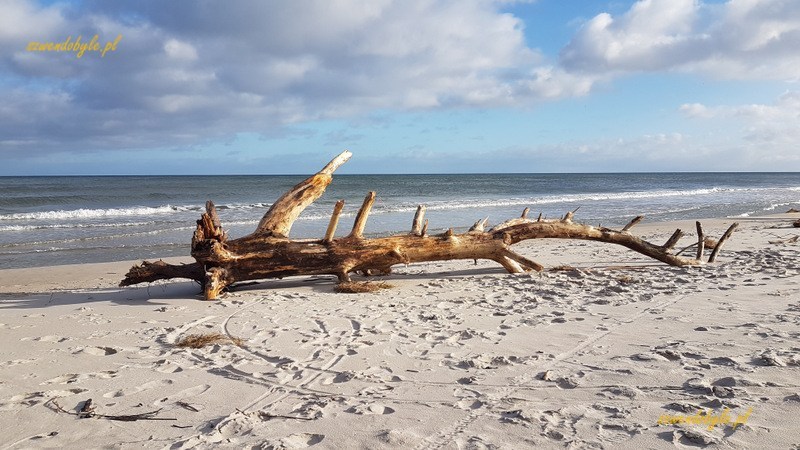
(456, 355)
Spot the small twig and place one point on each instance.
(58, 407)
(688, 247)
(185, 405)
(266, 416)
(123, 418)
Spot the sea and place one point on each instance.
(48, 221)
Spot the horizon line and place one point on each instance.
(405, 174)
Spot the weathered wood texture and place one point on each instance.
(269, 253)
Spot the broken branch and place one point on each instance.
(337, 211)
(363, 213)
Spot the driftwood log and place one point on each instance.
(269, 253)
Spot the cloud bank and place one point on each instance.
(740, 39)
(191, 72)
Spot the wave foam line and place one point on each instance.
(76, 225)
(109, 237)
(122, 212)
(593, 197)
(90, 249)
(98, 213)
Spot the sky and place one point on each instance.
(411, 86)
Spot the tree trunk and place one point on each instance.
(269, 253)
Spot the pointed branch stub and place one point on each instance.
(676, 236)
(363, 213)
(632, 223)
(721, 241)
(701, 242)
(278, 221)
(479, 226)
(416, 226)
(334, 222)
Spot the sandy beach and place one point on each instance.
(456, 355)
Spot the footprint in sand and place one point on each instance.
(300, 440)
(468, 404)
(96, 351)
(16, 362)
(46, 339)
(135, 390)
(342, 377)
(560, 381)
(313, 407)
(166, 366)
(186, 393)
(379, 390)
(34, 398)
(397, 438)
(70, 378)
(616, 432)
(778, 358)
(370, 409)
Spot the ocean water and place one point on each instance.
(69, 220)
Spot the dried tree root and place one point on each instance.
(269, 253)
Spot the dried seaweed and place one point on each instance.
(202, 340)
(360, 287)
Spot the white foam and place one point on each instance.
(97, 213)
(73, 225)
(575, 198)
(778, 205)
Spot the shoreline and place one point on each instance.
(455, 355)
(12, 280)
(57, 222)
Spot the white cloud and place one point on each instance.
(552, 82)
(786, 109)
(187, 72)
(663, 152)
(180, 50)
(768, 132)
(740, 39)
(195, 69)
(650, 36)
(695, 110)
(20, 18)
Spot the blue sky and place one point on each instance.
(413, 86)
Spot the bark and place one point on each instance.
(148, 272)
(269, 253)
